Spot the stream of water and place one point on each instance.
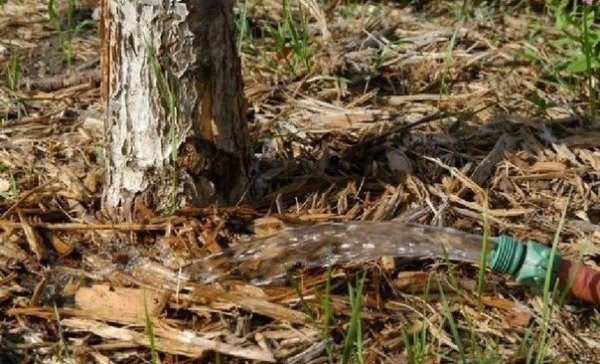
(267, 259)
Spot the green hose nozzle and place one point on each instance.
(527, 262)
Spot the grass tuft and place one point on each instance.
(581, 43)
(453, 326)
(292, 41)
(416, 347)
(550, 290)
(155, 359)
(13, 71)
(481, 278)
(67, 28)
(62, 352)
(353, 340)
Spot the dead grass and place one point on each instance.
(388, 122)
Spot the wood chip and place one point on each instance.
(105, 302)
(169, 340)
(252, 304)
(33, 238)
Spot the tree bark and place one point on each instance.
(175, 124)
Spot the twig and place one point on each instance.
(350, 152)
(58, 82)
(24, 196)
(309, 354)
(7, 224)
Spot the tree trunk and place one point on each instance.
(175, 125)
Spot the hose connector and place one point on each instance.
(528, 263)
(507, 256)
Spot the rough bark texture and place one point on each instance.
(158, 156)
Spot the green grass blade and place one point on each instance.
(150, 332)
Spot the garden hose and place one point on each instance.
(532, 263)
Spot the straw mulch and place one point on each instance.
(408, 112)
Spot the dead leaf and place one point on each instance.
(398, 161)
(62, 247)
(518, 318)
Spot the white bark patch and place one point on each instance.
(139, 144)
